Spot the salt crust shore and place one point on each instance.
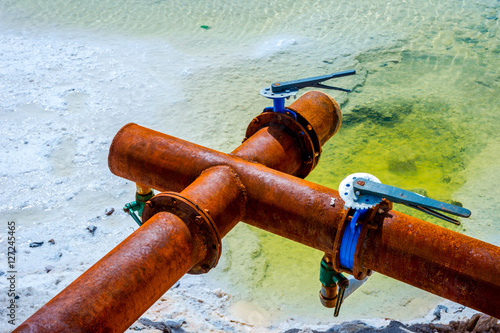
(192, 307)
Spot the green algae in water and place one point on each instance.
(413, 124)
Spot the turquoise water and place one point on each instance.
(424, 113)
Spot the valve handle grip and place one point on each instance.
(410, 199)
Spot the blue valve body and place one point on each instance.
(350, 239)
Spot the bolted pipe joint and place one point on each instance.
(288, 143)
(210, 207)
(320, 111)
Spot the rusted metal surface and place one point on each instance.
(308, 149)
(179, 236)
(276, 202)
(443, 262)
(198, 221)
(222, 189)
(279, 142)
(114, 292)
(320, 111)
(272, 146)
(301, 211)
(142, 189)
(219, 192)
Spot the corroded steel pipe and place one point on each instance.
(219, 191)
(274, 147)
(302, 211)
(438, 260)
(276, 202)
(114, 292)
(278, 147)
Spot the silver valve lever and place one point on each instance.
(295, 85)
(364, 186)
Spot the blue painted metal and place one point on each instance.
(350, 239)
(279, 91)
(279, 105)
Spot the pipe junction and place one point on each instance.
(206, 193)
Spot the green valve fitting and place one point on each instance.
(330, 280)
(328, 276)
(138, 206)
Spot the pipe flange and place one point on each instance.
(370, 222)
(197, 220)
(300, 129)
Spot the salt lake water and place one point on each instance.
(424, 115)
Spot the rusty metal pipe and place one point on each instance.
(219, 191)
(278, 148)
(276, 202)
(273, 147)
(301, 211)
(440, 261)
(114, 292)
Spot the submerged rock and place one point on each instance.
(92, 229)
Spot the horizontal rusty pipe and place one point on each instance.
(114, 292)
(277, 147)
(435, 259)
(301, 211)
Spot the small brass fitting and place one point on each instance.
(329, 295)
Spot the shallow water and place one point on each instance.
(424, 113)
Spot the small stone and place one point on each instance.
(437, 311)
(36, 244)
(108, 211)
(92, 229)
(175, 324)
(49, 268)
(52, 241)
(219, 293)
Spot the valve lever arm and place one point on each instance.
(295, 85)
(365, 186)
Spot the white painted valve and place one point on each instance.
(353, 200)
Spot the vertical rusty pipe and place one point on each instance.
(321, 111)
(219, 191)
(440, 261)
(114, 292)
